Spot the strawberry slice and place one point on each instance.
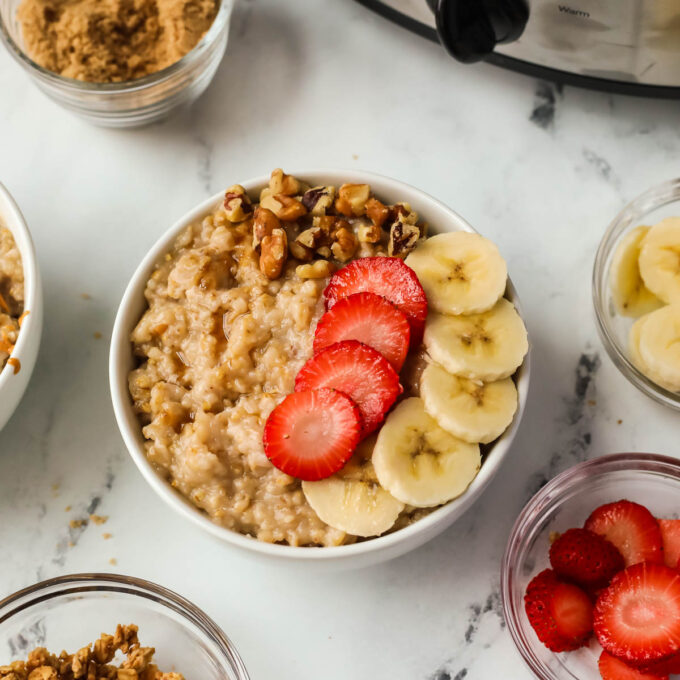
(631, 528)
(385, 276)
(670, 539)
(560, 613)
(370, 319)
(359, 371)
(661, 668)
(585, 558)
(311, 435)
(637, 618)
(612, 668)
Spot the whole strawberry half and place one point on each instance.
(389, 277)
(637, 618)
(612, 668)
(670, 539)
(560, 613)
(585, 558)
(311, 435)
(360, 372)
(370, 319)
(631, 528)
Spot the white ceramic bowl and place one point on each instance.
(440, 218)
(13, 385)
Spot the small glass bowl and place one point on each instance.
(131, 103)
(72, 611)
(565, 502)
(649, 208)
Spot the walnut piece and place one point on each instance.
(284, 207)
(315, 270)
(280, 183)
(377, 212)
(345, 245)
(319, 200)
(306, 243)
(369, 233)
(264, 223)
(403, 239)
(237, 204)
(273, 254)
(352, 199)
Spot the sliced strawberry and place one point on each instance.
(637, 618)
(585, 558)
(661, 668)
(360, 372)
(370, 319)
(385, 276)
(560, 613)
(631, 528)
(311, 435)
(670, 539)
(612, 668)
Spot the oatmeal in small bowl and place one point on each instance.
(320, 360)
(20, 306)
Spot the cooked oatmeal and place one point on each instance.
(230, 321)
(11, 295)
(94, 662)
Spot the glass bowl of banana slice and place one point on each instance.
(636, 292)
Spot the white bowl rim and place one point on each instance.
(122, 407)
(16, 224)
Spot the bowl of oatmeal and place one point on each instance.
(240, 332)
(20, 306)
(115, 627)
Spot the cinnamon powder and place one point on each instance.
(112, 40)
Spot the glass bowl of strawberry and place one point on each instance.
(590, 580)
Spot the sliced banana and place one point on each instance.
(353, 500)
(418, 462)
(630, 295)
(660, 260)
(488, 346)
(634, 345)
(470, 410)
(461, 273)
(660, 346)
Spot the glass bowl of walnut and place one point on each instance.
(150, 633)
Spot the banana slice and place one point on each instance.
(660, 260)
(634, 345)
(660, 346)
(353, 500)
(470, 410)
(631, 296)
(461, 273)
(488, 346)
(418, 462)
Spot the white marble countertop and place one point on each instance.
(539, 170)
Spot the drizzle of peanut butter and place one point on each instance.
(13, 361)
(23, 317)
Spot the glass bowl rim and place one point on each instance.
(617, 462)
(190, 58)
(653, 198)
(140, 588)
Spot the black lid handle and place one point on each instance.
(471, 29)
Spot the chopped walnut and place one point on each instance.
(264, 223)
(345, 245)
(377, 212)
(403, 239)
(91, 662)
(284, 207)
(273, 254)
(306, 243)
(352, 199)
(237, 204)
(369, 233)
(315, 270)
(280, 183)
(319, 200)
